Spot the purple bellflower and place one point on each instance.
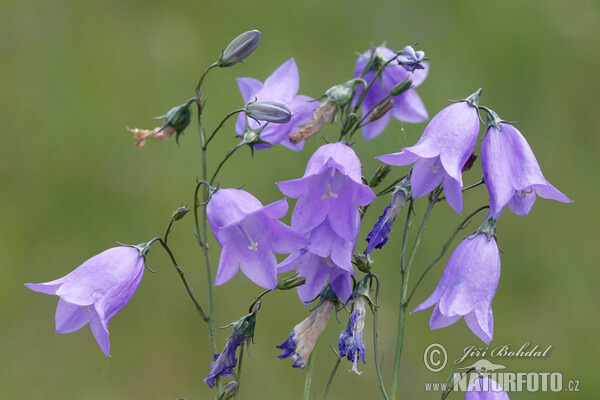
(468, 284)
(96, 291)
(484, 388)
(380, 233)
(281, 86)
(442, 151)
(408, 106)
(410, 59)
(327, 213)
(511, 172)
(249, 234)
(301, 342)
(350, 342)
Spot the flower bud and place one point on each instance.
(401, 87)
(269, 111)
(240, 48)
(380, 173)
(291, 282)
(179, 213)
(228, 391)
(381, 109)
(363, 262)
(342, 93)
(410, 59)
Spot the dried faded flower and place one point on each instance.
(321, 116)
(140, 135)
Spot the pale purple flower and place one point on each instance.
(96, 291)
(350, 342)
(511, 172)
(225, 361)
(281, 86)
(249, 234)
(442, 151)
(484, 388)
(379, 235)
(410, 59)
(468, 285)
(301, 342)
(408, 106)
(327, 213)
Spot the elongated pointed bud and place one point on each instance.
(291, 282)
(240, 48)
(381, 109)
(228, 391)
(269, 111)
(401, 87)
(380, 173)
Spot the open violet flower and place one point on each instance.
(484, 388)
(249, 234)
(282, 86)
(407, 107)
(96, 291)
(511, 172)
(468, 284)
(442, 151)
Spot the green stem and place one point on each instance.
(375, 335)
(238, 378)
(332, 375)
(308, 379)
(444, 249)
(229, 154)
(232, 113)
(405, 271)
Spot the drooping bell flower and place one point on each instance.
(301, 342)
(484, 388)
(249, 234)
(96, 291)
(282, 86)
(468, 284)
(511, 172)
(243, 331)
(442, 151)
(327, 213)
(350, 342)
(407, 107)
(410, 59)
(379, 235)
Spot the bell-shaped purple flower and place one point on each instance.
(301, 342)
(410, 59)
(484, 388)
(281, 86)
(96, 291)
(249, 234)
(468, 285)
(511, 172)
(225, 361)
(408, 106)
(442, 151)
(350, 342)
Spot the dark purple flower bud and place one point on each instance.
(379, 235)
(442, 151)
(282, 85)
(301, 342)
(350, 342)
(269, 110)
(511, 172)
(408, 106)
(250, 234)
(240, 48)
(410, 59)
(484, 388)
(96, 291)
(468, 284)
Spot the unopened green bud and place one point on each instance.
(401, 87)
(291, 282)
(178, 117)
(363, 262)
(349, 122)
(179, 213)
(342, 94)
(269, 111)
(381, 109)
(240, 48)
(228, 391)
(380, 173)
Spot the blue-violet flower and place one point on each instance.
(484, 388)
(410, 59)
(350, 342)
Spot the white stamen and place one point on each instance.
(328, 193)
(253, 244)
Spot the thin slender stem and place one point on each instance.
(375, 335)
(444, 249)
(308, 379)
(333, 372)
(230, 114)
(229, 154)
(404, 291)
(182, 275)
(201, 81)
(239, 371)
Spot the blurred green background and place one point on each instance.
(74, 74)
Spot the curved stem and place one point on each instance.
(365, 90)
(201, 81)
(308, 379)
(333, 372)
(229, 154)
(212, 135)
(405, 271)
(445, 247)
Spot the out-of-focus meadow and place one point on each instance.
(75, 74)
